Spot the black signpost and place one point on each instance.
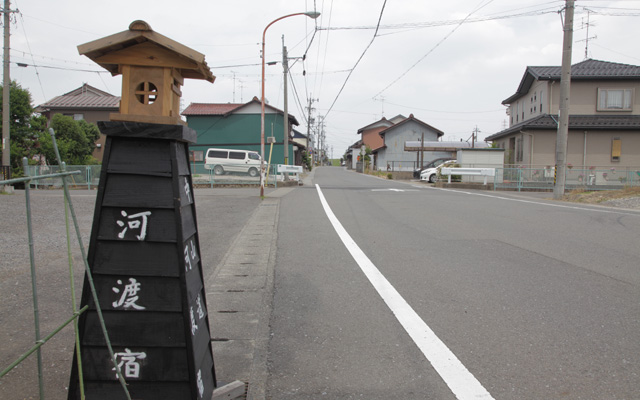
(144, 255)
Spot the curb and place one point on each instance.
(239, 294)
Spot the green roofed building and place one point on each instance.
(237, 126)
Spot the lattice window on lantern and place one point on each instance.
(146, 93)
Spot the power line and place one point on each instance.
(29, 47)
(19, 64)
(433, 24)
(326, 48)
(359, 59)
(32, 55)
(434, 47)
(297, 97)
(447, 112)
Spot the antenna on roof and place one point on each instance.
(380, 99)
(586, 25)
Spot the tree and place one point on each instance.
(23, 139)
(75, 140)
(306, 160)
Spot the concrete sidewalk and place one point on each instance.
(239, 297)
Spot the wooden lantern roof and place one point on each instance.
(141, 46)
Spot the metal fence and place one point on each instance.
(232, 174)
(590, 178)
(88, 176)
(85, 176)
(508, 178)
(543, 178)
(399, 166)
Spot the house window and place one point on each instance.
(615, 99)
(519, 150)
(616, 149)
(78, 117)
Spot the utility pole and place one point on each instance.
(309, 122)
(234, 86)
(421, 155)
(6, 90)
(565, 89)
(285, 142)
(474, 137)
(320, 149)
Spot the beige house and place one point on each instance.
(84, 103)
(604, 121)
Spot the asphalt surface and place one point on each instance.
(537, 299)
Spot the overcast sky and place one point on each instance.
(450, 63)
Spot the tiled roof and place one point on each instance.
(224, 109)
(210, 108)
(406, 120)
(587, 122)
(588, 69)
(298, 135)
(84, 97)
(585, 70)
(379, 123)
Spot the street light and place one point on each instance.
(310, 14)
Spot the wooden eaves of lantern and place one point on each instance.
(153, 69)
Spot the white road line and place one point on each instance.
(624, 212)
(461, 382)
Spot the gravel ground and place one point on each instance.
(52, 266)
(628, 202)
(216, 208)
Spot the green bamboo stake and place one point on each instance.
(73, 299)
(34, 286)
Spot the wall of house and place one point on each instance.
(394, 140)
(481, 158)
(599, 146)
(540, 145)
(240, 131)
(534, 103)
(544, 98)
(584, 97)
(371, 137)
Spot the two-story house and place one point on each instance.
(237, 126)
(392, 155)
(84, 103)
(370, 134)
(604, 120)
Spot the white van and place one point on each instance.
(226, 160)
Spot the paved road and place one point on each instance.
(536, 299)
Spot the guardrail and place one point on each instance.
(485, 172)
